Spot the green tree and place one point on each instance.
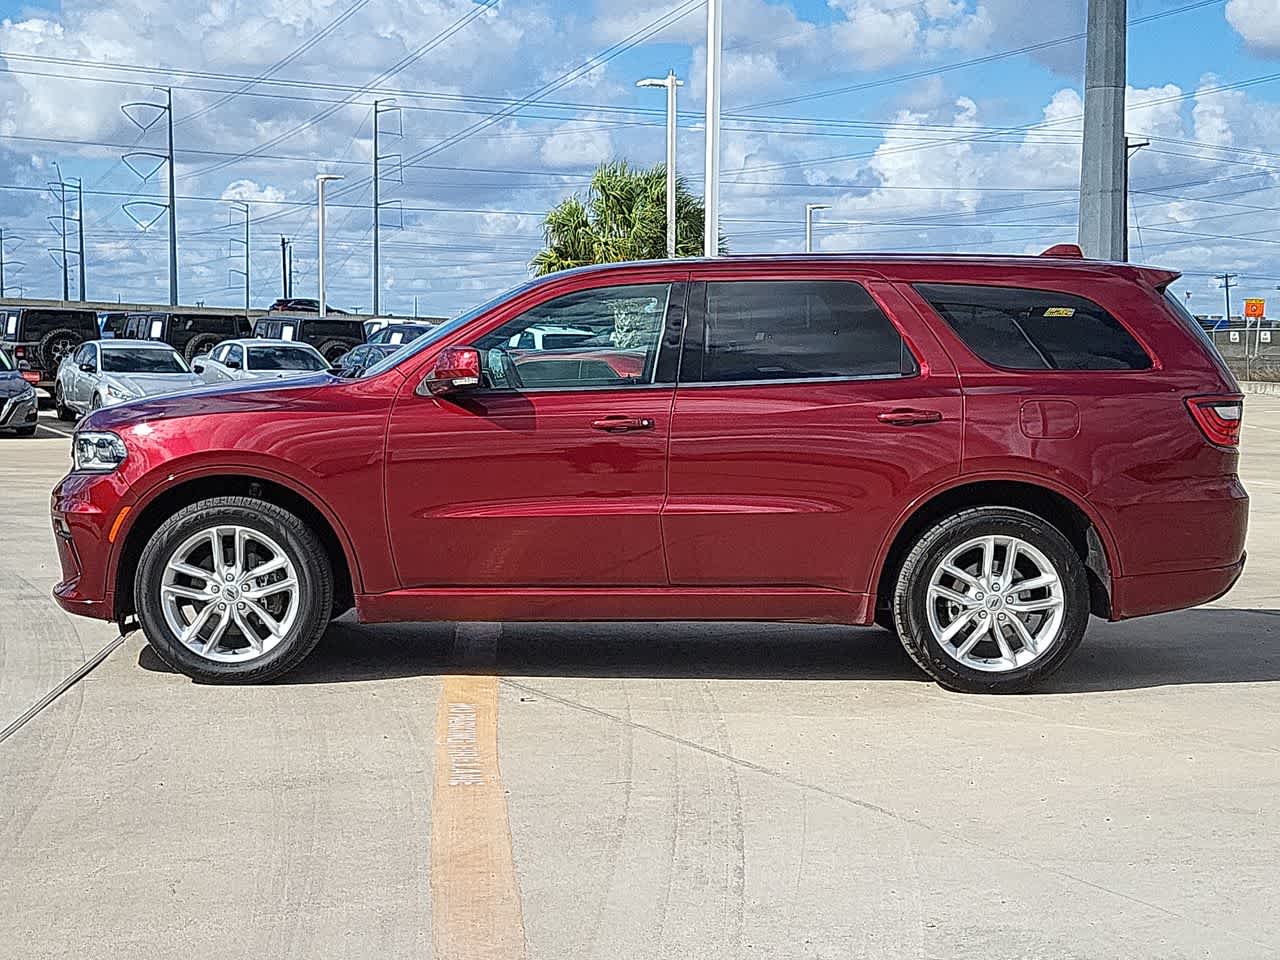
(622, 217)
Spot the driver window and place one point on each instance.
(235, 355)
(85, 354)
(603, 337)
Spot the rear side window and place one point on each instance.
(37, 323)
(798, 330)
(1035, 329)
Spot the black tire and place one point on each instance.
(331, 350)
(64, 412)
(300, 544)
(198, 345)
(95, 403)
(910, 598)
(56, 345)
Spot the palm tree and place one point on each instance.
(622, 217)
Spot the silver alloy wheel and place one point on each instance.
(229, 593)
(995, 604)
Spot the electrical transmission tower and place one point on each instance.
(379, 108)
(59, 222)
(243, 207)
(144, 121)
(6, 262)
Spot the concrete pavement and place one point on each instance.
(671, 791)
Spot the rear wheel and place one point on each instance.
(233, 590)
(198, 345)
(991, 600)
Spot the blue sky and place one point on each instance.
(982, 157)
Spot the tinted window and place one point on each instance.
(37, 323)
(84, 354)
(1035, 329)
(141, 360)
(285, 358)
(604, 337)
(797, 330)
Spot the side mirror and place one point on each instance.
(231, 364)
(456, 369)
(88, 368)
(197, 367)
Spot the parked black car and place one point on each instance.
(300, 305)
(332, 336)
(42, 336)
(191, 334)
(17, 399)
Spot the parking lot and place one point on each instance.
(640, 790)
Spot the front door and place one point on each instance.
(552, 473)
(804, 422)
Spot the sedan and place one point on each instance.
(259, 359)
(17, 399)
(104, 372)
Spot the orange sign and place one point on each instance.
(1255, 308)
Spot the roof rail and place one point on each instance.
(1069, 251)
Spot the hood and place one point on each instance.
(151, 384)
(11, 384)
(235, 397)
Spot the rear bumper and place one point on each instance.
(1162, 592)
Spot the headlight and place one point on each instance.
(97, 451)
(118, 393)
(28, 393)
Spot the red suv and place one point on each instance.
(977, 453)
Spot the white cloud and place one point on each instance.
(1258, 23)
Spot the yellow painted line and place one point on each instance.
(475, 902)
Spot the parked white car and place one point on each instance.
(103, 372)
(258, 359)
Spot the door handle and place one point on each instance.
(909, 418)
(621, 424)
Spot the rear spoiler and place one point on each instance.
(1157, 277)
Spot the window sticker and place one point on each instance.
(1060, 311)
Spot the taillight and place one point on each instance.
(19, 352)
(31, 376)
(1218, 418)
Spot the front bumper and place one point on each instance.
(83, 509)
(18, 412)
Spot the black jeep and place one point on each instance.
(191, 334)
(42, 336)
(332, 336)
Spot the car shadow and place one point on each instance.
(1208, 645)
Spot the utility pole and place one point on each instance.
(284, 266)
(1227, 283)
(321, 180)
(62, 229)
(711, 186)
(1131, 146)
(1102, 219)
(379, 108)
(173, 210)
(243, 206)
(161, 110)
(808, 223)
(289, 291)
(80, 229)
(671, 83)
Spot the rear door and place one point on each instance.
(805, 421)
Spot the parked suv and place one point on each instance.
(332, 336)
(191, 334)
(43, 337)
(978, 453)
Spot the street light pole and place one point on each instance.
(809, 208)
(321, 180)
(671, 83)
(711, 185)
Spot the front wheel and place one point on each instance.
(59, 403)
(991, 600)
(233, 590)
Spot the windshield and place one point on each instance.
(142, 360)
(397, 335)
(436, 334)
(285, 358)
